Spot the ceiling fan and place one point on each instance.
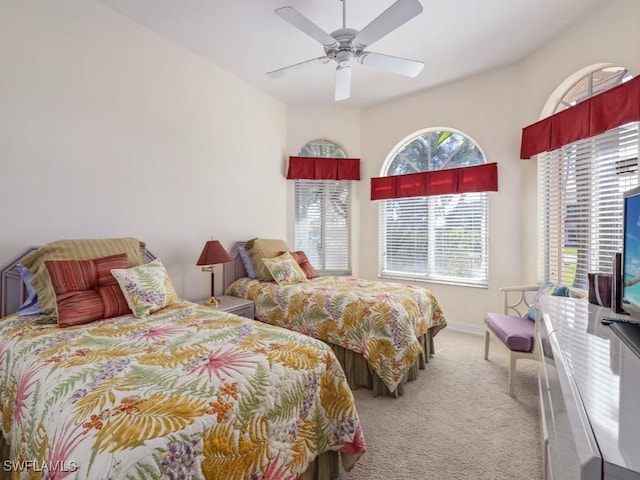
(346, 44)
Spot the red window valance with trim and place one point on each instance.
(315, 168)
(596, 115)
(478, 178)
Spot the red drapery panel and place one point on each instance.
(312, 168)
(478, 178)
(615, 107)
(593, 116)
(536, 138)
(349, 169)
(383, 188)
(327, 169)
(570, 125)
(411, 185)
(441, 182)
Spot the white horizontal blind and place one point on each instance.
(438, 238)
(580, 194)
(322, 224)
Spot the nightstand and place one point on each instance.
(235, 305)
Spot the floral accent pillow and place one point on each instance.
(284, 269)
(147, 288)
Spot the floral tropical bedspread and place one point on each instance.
(188, 392)
(380, 320)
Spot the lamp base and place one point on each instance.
(213, 301)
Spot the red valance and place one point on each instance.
(478, 178)
(313, 168)
(596, 115)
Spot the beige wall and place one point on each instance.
(491, 108)
(482, 108)
(610, 35)
(107, 129)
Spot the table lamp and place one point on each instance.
(212, 254)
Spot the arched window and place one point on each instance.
(441, 238)
(580, 187)
(594, 82)
(323, 207)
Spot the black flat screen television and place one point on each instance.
(631, 254)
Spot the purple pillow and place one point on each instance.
(246, 261)
(30, 305)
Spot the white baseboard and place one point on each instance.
(465, 328)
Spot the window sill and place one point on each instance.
(456, 283)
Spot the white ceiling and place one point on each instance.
(454, 39)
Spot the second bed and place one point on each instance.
(382, 332)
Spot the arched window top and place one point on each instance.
(594, 82)
(433, 149)
(322, 148)
(583, 85)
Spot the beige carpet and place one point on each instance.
(455, 421)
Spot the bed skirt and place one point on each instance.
(324, 467)
(361, 375)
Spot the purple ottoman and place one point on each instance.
(515, 332)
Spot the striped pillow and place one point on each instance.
(85, 290)
(76, 249)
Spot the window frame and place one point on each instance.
(431, 273)
(594, 232)
(322, 260)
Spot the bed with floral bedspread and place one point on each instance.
(385, 322)
(187, 392)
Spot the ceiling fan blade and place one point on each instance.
(400, 12)
(297, 67)
(389, 63)
(301, 22)
(343, 83)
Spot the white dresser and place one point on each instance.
(589, 394)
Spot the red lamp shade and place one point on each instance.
(213, 253)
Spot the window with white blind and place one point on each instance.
(580, 192)
(322, 223)
(441, 238)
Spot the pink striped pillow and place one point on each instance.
(85, 289)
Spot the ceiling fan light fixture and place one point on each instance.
(344, 58)
(345, 44)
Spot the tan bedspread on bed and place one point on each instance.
(380, 320)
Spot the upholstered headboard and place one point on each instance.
(12, 290)
(234, 269)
